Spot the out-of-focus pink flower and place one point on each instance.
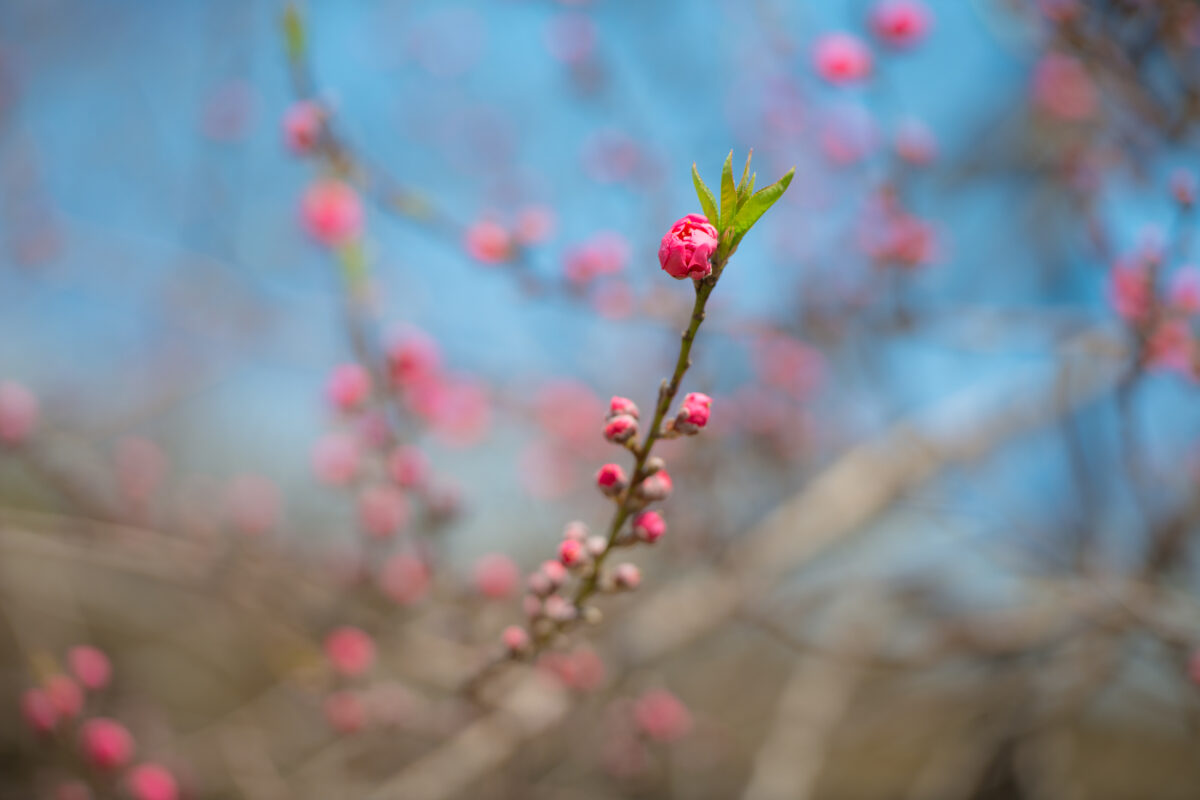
(382, 510)
(350, 650)
(140, 466)
(572, 552)
(546, 469)
(1129, 291)
(496, 576)
(404, 579)
(457, 407)
(848, 134)
(18, 413)
(413, 356)
(611, 479)
(332, 212)
(345, 712)
(687, 249)
(348, 387)
(38, 710)
(302, 126)
(1063, 88)
(253, 504)
(90, 666)
(1172, 346)
(581, 670)
(627, 576)
(915, 142)
(106, 743)
(408, 466)
(571, 38)
(535, 224)
(614, 300)
(152, 782)
(788, 364)
(66, 696)
(489, 242)
(842, 58)
(390, 703)
(625, 756)
(1184, 292)
(567, 410)
(649, 526)
(603, 253)
(661, 716)
(336, 458)
(900, 23)
(515, 638)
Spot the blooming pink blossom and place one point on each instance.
(382, 510)
(611, 479)
(106, 743)
(496, 576)
(152, 782)
(38, 710)
(18, 413)
(345, 712)
(302, 126)
(413, 356)
(661, 716)
(489, 242)
(900, 23)
(649, 526)
(404, 579)
(332, 212)
(349, 387)
(65, 694)
(90, 666)
(1063, 88)
(351, 651)
(842, 58)
(687, 249)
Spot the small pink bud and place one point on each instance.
(900, 23)
(408, 466)
(555, 572)
(302, 126)
(335, 459)
(65, 694)
(661, 716)
(349, 387)
(620, 429)
(687, 249)
(413, 357)
(18, 413)
(842, 58)
(496, 576)
(382, 511)
(572, 553)
(344, 711)
(656, 487)
(694, 414)
(152, 782)
(531, 604)
(90, 665)
(106, 743)
(350, 651)
(627, 576)
(575, 530)
(611, 479)
(516, 639)
(38, 710)
(649, 526)
(535, 224)
(559, 608)
(596, 545)
(404, 579)
(622, 405)
(332, 213)
(489, 242)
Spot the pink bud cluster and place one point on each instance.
(354, 702)
(59, 705)
(490, 241)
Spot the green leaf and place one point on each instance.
(728, 194)
(745, 174)
(293, 32)
(758, 204)
(708, 203)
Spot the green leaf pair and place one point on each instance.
(741, 206)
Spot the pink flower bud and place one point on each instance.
(572, 553)
(496, 576)
(627, 576)
(413, 357)
(661, 716)
(66, 696)
(335, 459)
(152, 782)
(559, 608)
(649, 526)
(516, 639)
(596, 545)
(90, 665)
(349, 387)
(842, 58)
(915, 143)
(344, 711)
(656, 487)
(611, 479)
(302, 126)
(350, 651)
(900, 23)
(535, 224)
(38, 710)
(695, 409)
(555, 572)
(404, 579)
(18, 413)
(382, 511)
(622, 405)
(332, 213)
(489, 242)
(106, 743)
(575, 530)
(408, 466)
(687, 249)
(620, 429)
(1184, 292)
